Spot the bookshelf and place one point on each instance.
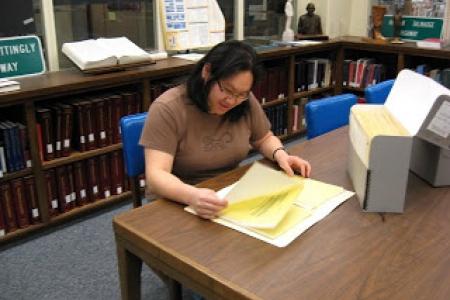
(56, 87)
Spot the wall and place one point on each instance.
(340, 17)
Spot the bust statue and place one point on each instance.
(378, 12)
(309, 23)
(288, 33)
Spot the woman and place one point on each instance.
(205, 127)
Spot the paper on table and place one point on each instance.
(412, 97)
(260, 180)
(262, 211)
(314, 202)
(261, 198)
(288, 229)
(315, 193)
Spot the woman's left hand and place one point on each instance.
(291, 163)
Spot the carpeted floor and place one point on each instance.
(75, 261)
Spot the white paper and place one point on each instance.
(197, 15)
(54, 204)
(198, 34)
(412, 98)
(190, 56)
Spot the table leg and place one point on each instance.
(130, 267)
(175, 291)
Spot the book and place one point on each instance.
(7, 203)
(7, 85)
(52, 192)
(31, 197)
(80, 183)
(64, 197)
(104, 171)
(98, 106)
(2, 222)
(20, 203)
(67, 123)
(44, 118)
(275, 208)
(93, 179)
(105, 52)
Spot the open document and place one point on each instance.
(105, 52)
(273, 207)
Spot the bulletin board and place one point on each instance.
(189, 24)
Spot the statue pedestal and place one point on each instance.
(288, 35)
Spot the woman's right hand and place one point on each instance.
(207, 204)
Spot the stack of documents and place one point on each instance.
(381, 141)
(273, 207)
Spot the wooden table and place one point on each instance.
(348, 255)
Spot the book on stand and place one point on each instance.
(105, 53)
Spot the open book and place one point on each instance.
(273, 207)
(105, 52)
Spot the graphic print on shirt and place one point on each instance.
(213, 143)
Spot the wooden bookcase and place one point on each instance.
(52, 87)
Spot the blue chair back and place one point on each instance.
(378, 93)
(327, 114)
(133, 153)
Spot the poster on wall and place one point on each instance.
(189, 24)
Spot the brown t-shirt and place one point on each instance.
(202, 144)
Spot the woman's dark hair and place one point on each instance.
(226, 59)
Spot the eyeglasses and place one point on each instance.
(239, 97)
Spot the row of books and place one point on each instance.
(84, 182)
(272, 85)
(14, 150)
(84, 124)
(18, 204)
(313, 73)
(277, 116)
(362, 73)
(439, 75)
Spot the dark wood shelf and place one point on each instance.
(353, 89)
(89, 207)
(313, 92)
(17, 174)
(77, 156)
(275, 102)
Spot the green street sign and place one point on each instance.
(21, 56)
(414, 28)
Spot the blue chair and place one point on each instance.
(378, 93)
(133, 153)
(328, 113)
